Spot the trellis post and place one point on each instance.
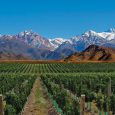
(1, 105)
(82, 105)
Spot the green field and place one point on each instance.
(65, 84)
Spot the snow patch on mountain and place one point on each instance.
(56, 42)
(109, 35)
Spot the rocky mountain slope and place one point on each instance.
(93, 53)
(11, 48)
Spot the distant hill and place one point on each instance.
(93, 53)
(12, 56)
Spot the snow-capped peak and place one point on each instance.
(57, 41)
(27, 33)
(90, 33)
(75, 38)
(111, 30)
(109, 35)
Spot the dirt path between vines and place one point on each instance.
(38, 102)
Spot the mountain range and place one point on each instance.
(30, 45)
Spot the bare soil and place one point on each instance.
(38, 102)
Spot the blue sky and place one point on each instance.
(56, 18)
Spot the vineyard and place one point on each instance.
(65, 83)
